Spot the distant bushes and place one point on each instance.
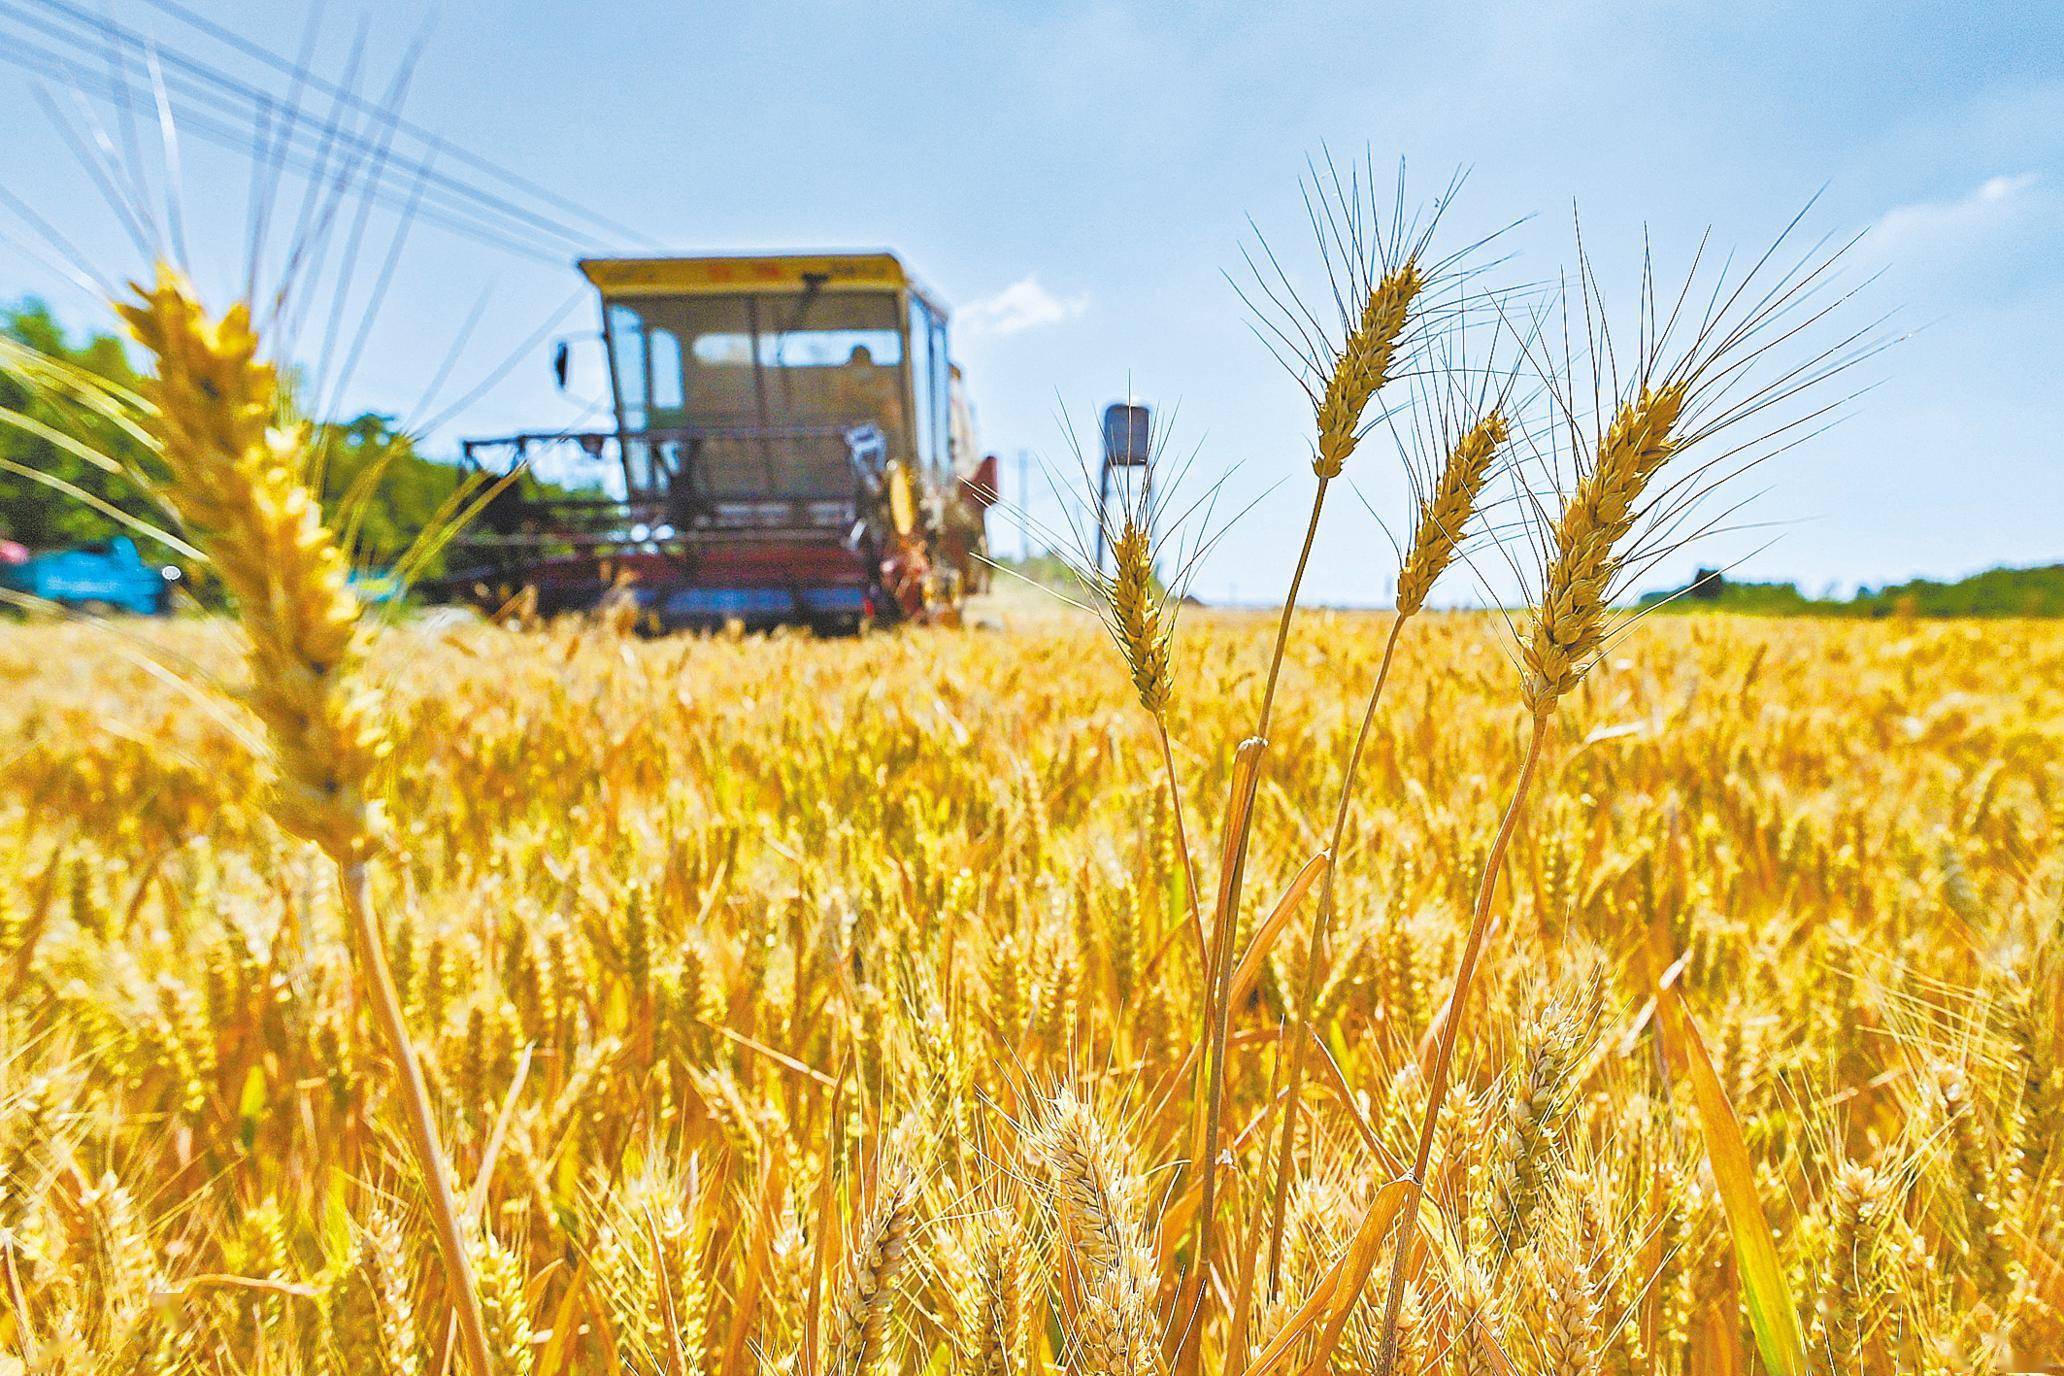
(1996, 592)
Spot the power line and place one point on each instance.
(430, 140)
(443, 213)
(341, 145)
(376, 112)
(63, 22)
(461, 204)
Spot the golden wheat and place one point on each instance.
(1446, 512)
(1799, 884)
(235, 482)
(1142, 625)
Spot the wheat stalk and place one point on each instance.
(1568, 626)
(234, 481)
(1143, 624)
(1444, 516)
(1351, 377)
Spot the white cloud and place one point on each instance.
(1937, 224)
(1023, 305)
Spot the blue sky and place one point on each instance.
(1074, 178)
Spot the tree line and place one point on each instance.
(390, 512)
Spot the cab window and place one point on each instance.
(703, 371)
(925, 373)
(663, 350)
(942, 402)
(627, 364)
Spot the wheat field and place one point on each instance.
(797, 1005)
(1126, 990)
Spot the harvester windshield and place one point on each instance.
(768, 363)
(750, 375)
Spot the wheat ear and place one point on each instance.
(1523, 1153)
(234, 479)
(998, 1301)
(1138, 620)
(234, 482)
(505, 1305)
(1143, 626)
(1100, 1228)
(1363, 366)
(1571, 1336)
(1114, 1328)
(1445, 513)
(1859, 1200)
(872, 1263)
(1569, 619)
(372, 1312)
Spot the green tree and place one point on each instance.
(34, 512)
(379, 488)
(373, 481)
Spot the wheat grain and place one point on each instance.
(1446, 511)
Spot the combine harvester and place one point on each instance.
(792, 446)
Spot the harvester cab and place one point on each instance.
(790, 447)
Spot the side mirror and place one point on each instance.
(561, 360)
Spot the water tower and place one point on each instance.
(1128, 443)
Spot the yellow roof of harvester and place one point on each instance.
(723, 274)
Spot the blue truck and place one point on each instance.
(109, 576)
